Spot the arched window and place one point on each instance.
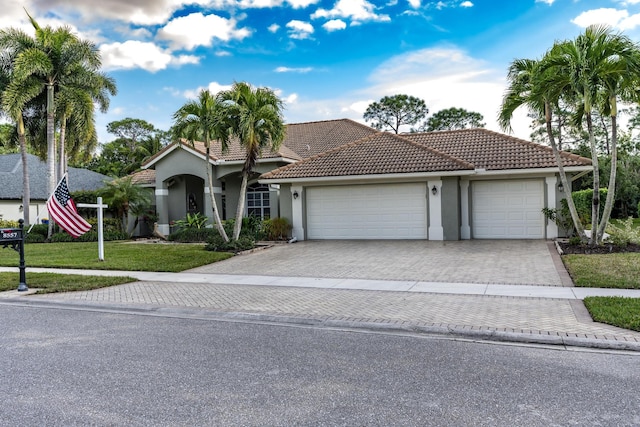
(258, 201)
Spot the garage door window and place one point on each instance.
(258, 201)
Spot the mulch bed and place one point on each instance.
(606, 248)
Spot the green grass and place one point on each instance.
(118, 256)
(51, 282)
(618, 270)
(616, 311)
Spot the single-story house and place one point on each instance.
(339, 179)
(11, 186)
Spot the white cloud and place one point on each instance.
(414, 3)
(299, 29)
(444, 78)
(273, 28)
(617, 18)
(549, 2)
(196, 29)
(136, 54)
(357, 10)
(334, 25)
(466, 4)
(293, 70)
(301, 4)
(141, 12)
(213, 87)
(291, 99)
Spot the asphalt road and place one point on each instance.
(76, 367)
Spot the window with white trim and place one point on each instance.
(258, 201)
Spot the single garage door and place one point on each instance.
(508, 209)
(385, 211)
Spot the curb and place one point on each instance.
(446, 331)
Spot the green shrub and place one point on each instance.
(251, 227)
(192, 221)
(192, 235)
(276, 228)
(217, 244)
(624, 233)
(35, 238)
(39, 229)
(583, 200)
(90, 236)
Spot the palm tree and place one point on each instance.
(75, 107)
(256, 119)
(55, 59)
(13, 102)
(529, 86)
(595, 70)
(202, 120)
(124, 196)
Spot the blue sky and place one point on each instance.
(326, 59)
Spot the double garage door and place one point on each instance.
(385, 211)
(509, 209)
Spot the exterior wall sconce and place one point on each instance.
(295, 195)
(434, 190)
(561, 188)
(20, 208)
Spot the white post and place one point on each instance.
(100, 231)
(98, 206)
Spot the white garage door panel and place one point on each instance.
(386, 211)
(508, 209)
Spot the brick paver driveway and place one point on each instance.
(469, 261)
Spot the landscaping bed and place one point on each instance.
(607, 248)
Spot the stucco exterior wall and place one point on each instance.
(451, 208)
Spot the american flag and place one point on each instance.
(63, 211)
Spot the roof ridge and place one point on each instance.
(461, 162)
(323, 154)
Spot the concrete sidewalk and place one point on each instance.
(517, 313)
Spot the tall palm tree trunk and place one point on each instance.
(26, 190)
(237, 226)
(51, 149)
(608, 205)
(595, 206)
(214, 206)
(563, 176)
(62, 158)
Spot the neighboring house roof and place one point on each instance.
(144, 177)
(494, 151)
(377, 154)
(11, 178)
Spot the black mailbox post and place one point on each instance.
(14, 238)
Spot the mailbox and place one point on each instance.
(11, 237)
(14, 237)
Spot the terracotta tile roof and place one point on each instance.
(380, 153)
(311, 138)
(144, 177)
(494, 151)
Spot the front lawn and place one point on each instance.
(615, 270)
(616, 311)
(51, 282)
(118, 256)
(618, 270)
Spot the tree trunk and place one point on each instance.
(608, 205)
(595, 206)
(563, 176)
(62, 158)
(51, 149)
(214, 206)
(241, 202)
(26, 191)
